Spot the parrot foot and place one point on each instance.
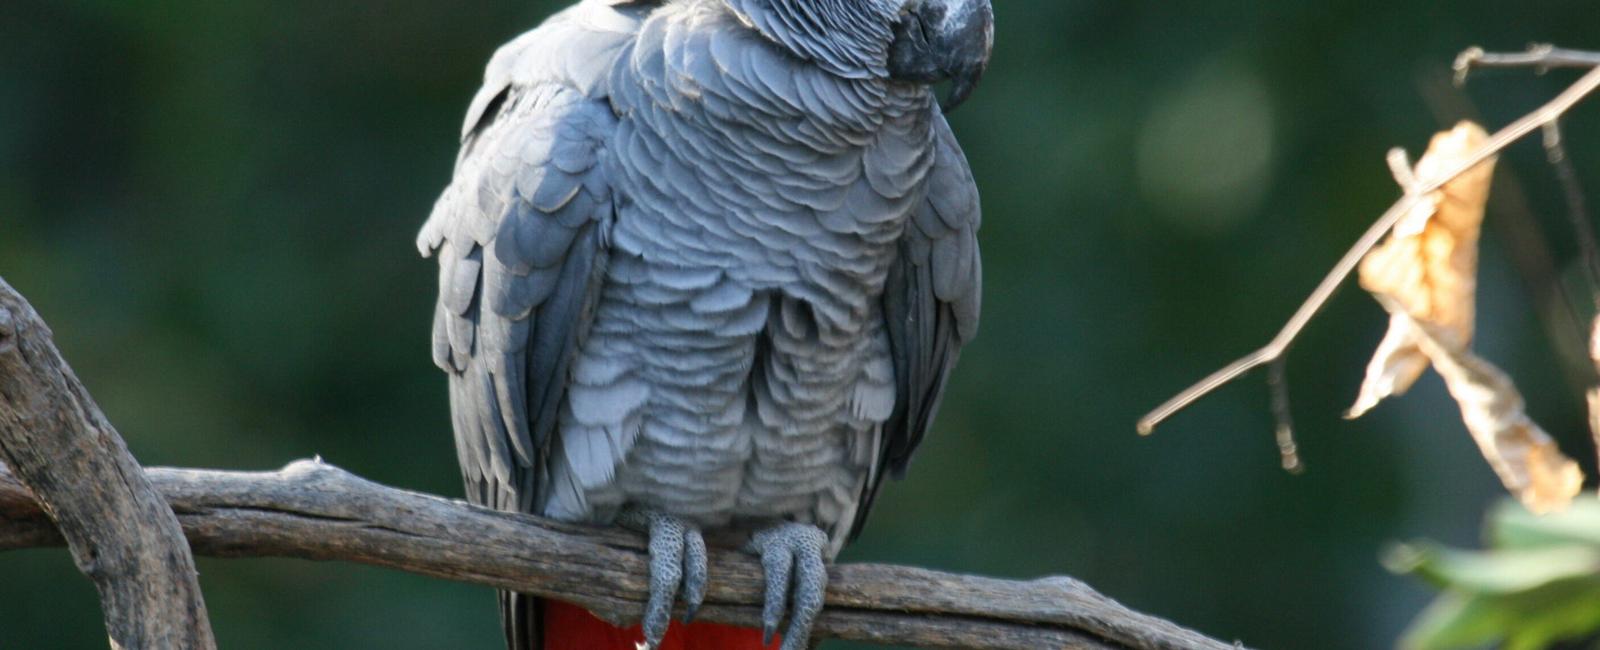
(677, 558)
(791, 557)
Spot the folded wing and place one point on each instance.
(930, 305)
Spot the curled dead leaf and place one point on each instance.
(1527, 460)
(1593, 394)
(1424, 275)
(1428, 266)
(1594, 415)
(1395, 366)
(1594, 342)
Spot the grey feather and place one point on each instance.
(931, 304)
(519, 235)
(699, 257)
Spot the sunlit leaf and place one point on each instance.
(1428, 266)
(1592, 396)
(1424, 275)
(1527, 460)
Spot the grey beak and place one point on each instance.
(944, 40)
(961, 87)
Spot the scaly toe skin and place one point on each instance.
(811, 583)
(777, 562)
(694, 573)
(677, 558)
(791, 557)
(666, 574)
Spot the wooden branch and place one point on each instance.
(118, 520)
(315, 511)
(120, 531)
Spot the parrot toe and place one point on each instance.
(694, 573)
(791, 557)
(677, 559)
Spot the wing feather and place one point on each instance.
(521, 239)
(513, 297)
(930, 304)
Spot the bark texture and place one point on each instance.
(119, 529)
(72, 481)
(315, 511)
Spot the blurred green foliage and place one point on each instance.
(1540, 584)
(213, 203)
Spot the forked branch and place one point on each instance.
(92, 496)
(1541, 57)
(315, 511)
(120, 531)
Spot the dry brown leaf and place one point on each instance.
(1425, 277)
(1594, 393)
(1428, 266)
(1395, 365)
(1522, 454)
(1594, 415)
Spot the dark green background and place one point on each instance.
(213, 203)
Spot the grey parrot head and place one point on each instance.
(943, 40)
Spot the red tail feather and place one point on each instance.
(569, 627)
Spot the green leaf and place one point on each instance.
(1539, 586)
(1456, 620)
(1496, 572)
(1512, 526)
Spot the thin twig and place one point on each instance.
(1540, 56)
(1521, 236)
(1400, 167)
(1578, 214)
(1577, 206)
(1278, 383)
(1286, 336)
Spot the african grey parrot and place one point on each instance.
(707, 264)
